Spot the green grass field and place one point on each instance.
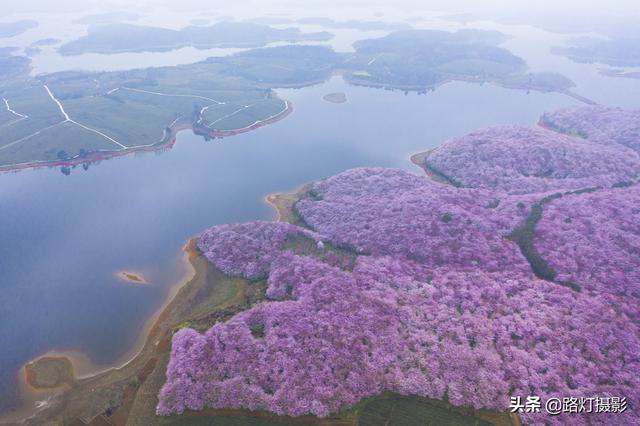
(246, 115)
(387, 410)
(222, 421)
(128, 109)
(58, 142)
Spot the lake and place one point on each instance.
(64, 237)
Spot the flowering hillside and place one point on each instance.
(524, 160)
(440, 302)
(246, 249)
(386, 211)
(598, 124)
(594, 239)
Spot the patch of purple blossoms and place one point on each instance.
(246, 249)
(604, 125)
(594, 239)
(388, 211)
(525, 160)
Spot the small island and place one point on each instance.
(132, 277)
(336, 98)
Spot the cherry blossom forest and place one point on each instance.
(521, 276)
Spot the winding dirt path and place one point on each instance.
(70, 120)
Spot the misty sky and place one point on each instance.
(568, 8)
(614, 18)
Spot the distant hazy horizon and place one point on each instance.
(575, 16)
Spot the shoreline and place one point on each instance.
(420, 160)
(166, 143)
(33, 400)
(83, 368)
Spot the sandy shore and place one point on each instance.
(420, 159)
(283, 203)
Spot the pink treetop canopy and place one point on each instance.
(524, 160)
(603, 125)
(440, 302)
